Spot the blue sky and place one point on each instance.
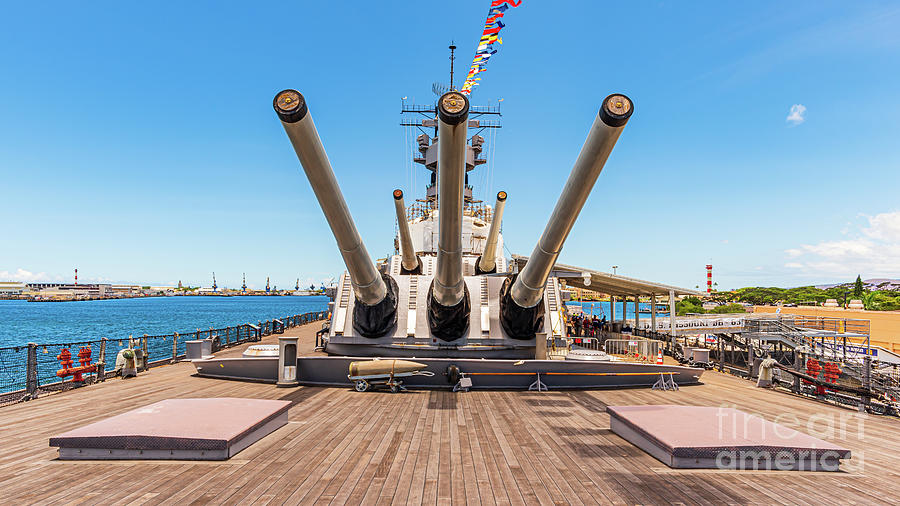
(138, 142)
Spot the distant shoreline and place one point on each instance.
(94, 299)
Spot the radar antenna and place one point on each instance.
(439, 88)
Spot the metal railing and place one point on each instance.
(640, 350)
(30, 369)
(806, 322)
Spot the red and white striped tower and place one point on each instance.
(708, 278)
(76, 276)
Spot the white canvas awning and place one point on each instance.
(611, 284)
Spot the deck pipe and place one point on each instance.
(372, 289)
(487, 263)
(449, 303)
(409, 261)
(527, 289)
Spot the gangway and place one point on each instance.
(863, 379)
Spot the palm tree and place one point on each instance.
(868, 300)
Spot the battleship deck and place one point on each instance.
(432, 447)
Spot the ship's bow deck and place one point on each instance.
(434, 446)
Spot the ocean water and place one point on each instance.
(601, 308)
(22, 322)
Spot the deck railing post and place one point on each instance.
(31, 372)
(174, 347)
(146, 348)
(101, 362)
(750, 359)
(721, 353)
(867, 380)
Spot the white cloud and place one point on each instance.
(874, 251)
(23, 275)
(797, 114)
(98, 279)
(884, 226)
(840, 249)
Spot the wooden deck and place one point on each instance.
(434, 447)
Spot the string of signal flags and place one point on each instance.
(489, 36)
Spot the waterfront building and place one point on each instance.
(12, 287)
(70, 290)
(578, 293)
(125, 289)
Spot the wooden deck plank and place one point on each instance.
(388, 490)
(423, 455)
(496, 441)
(491, 464)
(399, 482)
(373, 474)
(364, 468)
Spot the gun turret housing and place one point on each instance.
(449, 305)
(520, 308)
(487, 263)
(376, 295)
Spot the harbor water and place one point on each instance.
(22, 322)
(76, 326)
(601, 308)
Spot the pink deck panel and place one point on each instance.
(192, 425)
(708, 436)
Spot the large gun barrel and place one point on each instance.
(453, 112)
(370, 288)
(409, 261)
(528, 288)
(448, 300)
(488, 261)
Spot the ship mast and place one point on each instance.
(452, 49)
(423, 118)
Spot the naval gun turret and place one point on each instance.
(448, 291)
(375, 311)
